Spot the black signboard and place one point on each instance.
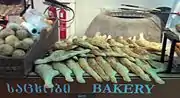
(32, 87)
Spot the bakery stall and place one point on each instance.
(118, 56)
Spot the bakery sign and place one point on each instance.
(95, 88)
(139, 89)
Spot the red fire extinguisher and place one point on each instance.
(52, 13)
(4, 21)
(62, 22)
